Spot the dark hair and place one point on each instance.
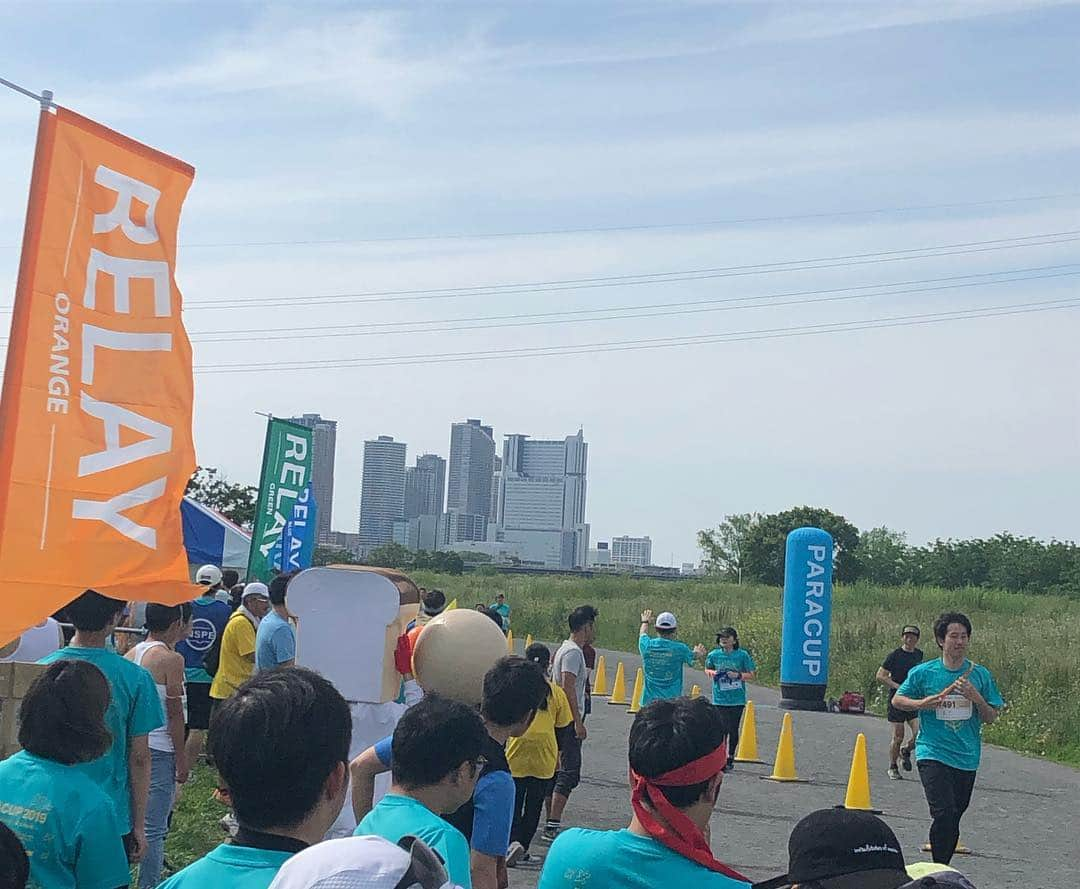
(278, 587)
(492, 613)
(276, 741)
(433, 738)
(539, 654)
(14, 862)
(668, 734)
(92, 612)
(941, 625)
(434, 600)
(728, 633)
(62, 717)
(230, 577)
(236, 595)
(513, 689)
(160, 617)
(582, 615)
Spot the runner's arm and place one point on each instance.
(364, 770)
(485, 870)
(646, 619)
(174, 712)
(885, 678)
(568, 682)
(139, 780)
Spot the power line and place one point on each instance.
(654, 310)
(654, 343)
(606, 229)
(700, 274)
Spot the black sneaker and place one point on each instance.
(905, 758)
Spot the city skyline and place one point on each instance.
(324, 448)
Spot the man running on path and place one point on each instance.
(955, 697)
(663, 657)
(892, 673)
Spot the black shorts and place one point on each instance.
(901, 716)
(198, 706)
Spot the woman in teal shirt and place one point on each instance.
(64, 820)
(730, 667)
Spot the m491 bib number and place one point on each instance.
(954, 708)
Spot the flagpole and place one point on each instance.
(20, 314)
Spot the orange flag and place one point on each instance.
(95, 419)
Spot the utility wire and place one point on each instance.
(654, 310)
(642, 344)
(605, 229)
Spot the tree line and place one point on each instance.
(750, 546)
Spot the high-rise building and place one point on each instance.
(425, 486)
(496, 487)
(542, 499)
(382, 490)
(472, 466)
(635, 551)
(323, 446)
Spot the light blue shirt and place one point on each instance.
(397, 816)
(275, 642)
(604, 859)
(663, 660)
(65, 822)
(134, 710)
(726, 691)
(951, 733)
(237, 867)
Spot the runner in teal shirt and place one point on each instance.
(663, 658)
(500, 607)
(134, 711)
(237, 867)
(729, 691)
(397, 816)
(64, 820)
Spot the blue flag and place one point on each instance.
(297, 540)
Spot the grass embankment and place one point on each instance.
(1031, 643)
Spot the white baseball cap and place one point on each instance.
(665, 620)
(255, 589)
(366, 862)
(208, 575)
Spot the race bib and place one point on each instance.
(954, 708)
(726, 683)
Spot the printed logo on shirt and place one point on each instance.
(203, 634)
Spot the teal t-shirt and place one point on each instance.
(663, 660)
(728, 692)
(237, 867)
(504, 612)
(601, 859)
(952, 733)
(397, 816)
(135, 709)
(65, 822)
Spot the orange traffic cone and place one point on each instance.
(784, 767)
(748, 738)
(858, 785)
(639, 691)
(599, 688)
(618, 692)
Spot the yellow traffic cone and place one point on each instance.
(452, 605)
(639, 691)
(618, 692)
(510, 641)
(784, 768)
(695, 692)
(858, 784)
(748, 737)
(528, 640)
(599, 689)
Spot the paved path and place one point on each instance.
(1023, 824)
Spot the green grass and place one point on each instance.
(1031, 643)
(195, 829)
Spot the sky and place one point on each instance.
(754, 173)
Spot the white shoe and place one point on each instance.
(514, 854)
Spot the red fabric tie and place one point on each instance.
(680, 834)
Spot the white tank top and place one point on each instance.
(36, 642)
(159, 738)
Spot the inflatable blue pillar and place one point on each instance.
(804, 646)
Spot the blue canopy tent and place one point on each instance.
(211, 539)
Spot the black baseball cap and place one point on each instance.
(842, 849)
(910, 628)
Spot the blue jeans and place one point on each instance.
(158, 807)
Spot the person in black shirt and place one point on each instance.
(892, 673)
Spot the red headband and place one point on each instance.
(680, 834)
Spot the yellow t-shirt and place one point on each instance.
(237, 660)
(535, 753)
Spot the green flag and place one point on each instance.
(286, 471)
